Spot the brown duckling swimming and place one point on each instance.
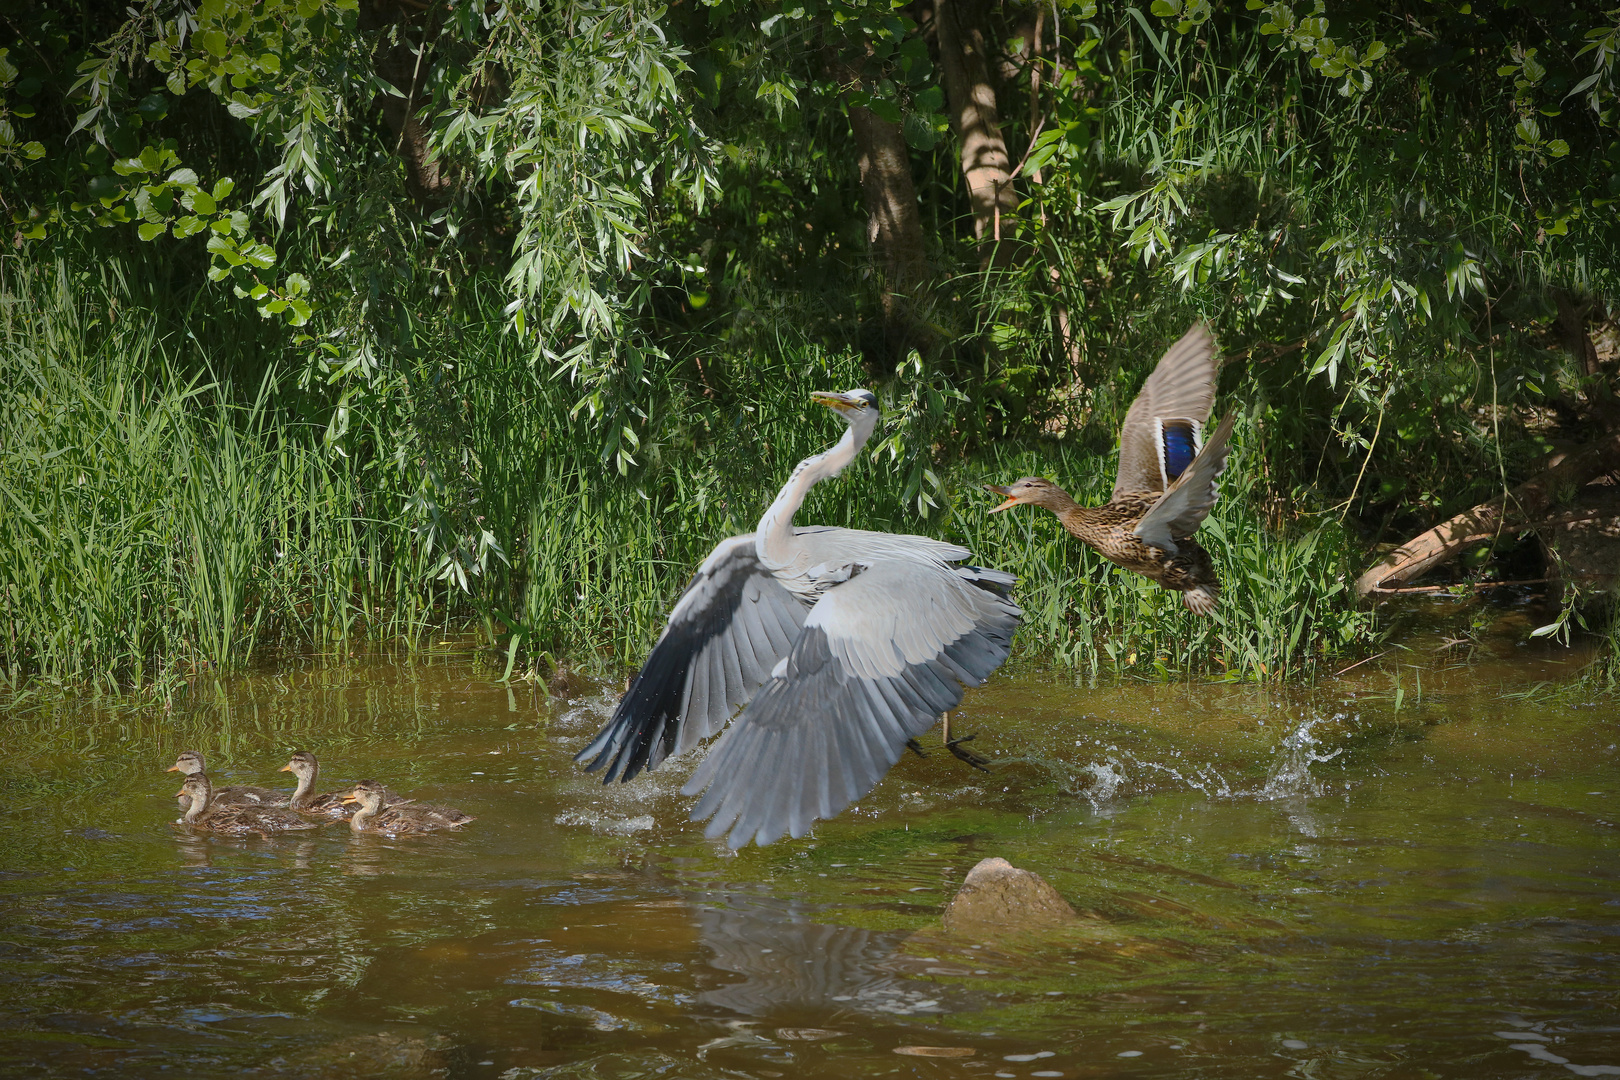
(190, 762)
(235, 819)
(332, 804)
(374, 815)
(1165, 486)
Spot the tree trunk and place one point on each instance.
(1571, 325)
(406, 68)
(972, 102)
(893, 224)
(1530, 500)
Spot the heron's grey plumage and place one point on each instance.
(693, 680)
(839, 644)
(879, 659)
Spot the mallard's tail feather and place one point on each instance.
(1200, 599)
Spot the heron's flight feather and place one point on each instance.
(846, 684)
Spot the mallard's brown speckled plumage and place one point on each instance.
(395, 820)
(1160, 496)
(190, 763)
(307, 768)
(234, 819)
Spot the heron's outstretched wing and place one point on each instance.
(835, 545)
(1160, 433)
(1190, 499)
(731, 626)
(879, 658)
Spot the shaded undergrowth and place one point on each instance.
(160, 524)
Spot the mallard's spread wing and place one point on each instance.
(1159, 438)
(881, 655)
(1190, 499)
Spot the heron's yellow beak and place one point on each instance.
(1012, 500)
(841, 402)
(285, 768)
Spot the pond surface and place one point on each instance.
(1302, 883)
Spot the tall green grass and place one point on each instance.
(154, 526)
(163, 521)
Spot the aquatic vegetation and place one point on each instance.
(162, 526)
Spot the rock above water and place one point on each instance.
(997, 900)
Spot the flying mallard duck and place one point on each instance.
(398, 819)
(234, 819)
(190, 762)
(332, 804)
(1166, 482)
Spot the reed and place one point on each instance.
(174, 505)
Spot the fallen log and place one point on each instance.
(1528, 501)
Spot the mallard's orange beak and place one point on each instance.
(179, 793)
(172, 768)
(350, 797)
(999, 490)
(285, 768)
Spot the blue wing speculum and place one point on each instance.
(1178, 441)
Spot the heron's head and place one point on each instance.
(1031, 489)
(854, 406)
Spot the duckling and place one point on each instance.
(1165, 486)
(331, 805)
(374, 816)
(234, 819)
(190, 762)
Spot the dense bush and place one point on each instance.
(329, 319)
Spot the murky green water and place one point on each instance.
(1304, 884)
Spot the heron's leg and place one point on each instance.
(915, 747)
(958, 750)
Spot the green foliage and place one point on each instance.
(155, 530)
(507, 312)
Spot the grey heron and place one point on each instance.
(839, 645)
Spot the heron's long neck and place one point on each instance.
(778, 548)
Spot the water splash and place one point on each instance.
(1121, 773)
(1105, 780)
(607, 824)
(1290, 775)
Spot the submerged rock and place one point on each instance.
(997, 899)
(386, 1055)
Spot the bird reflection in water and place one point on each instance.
(364, 855)
(790, 964)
